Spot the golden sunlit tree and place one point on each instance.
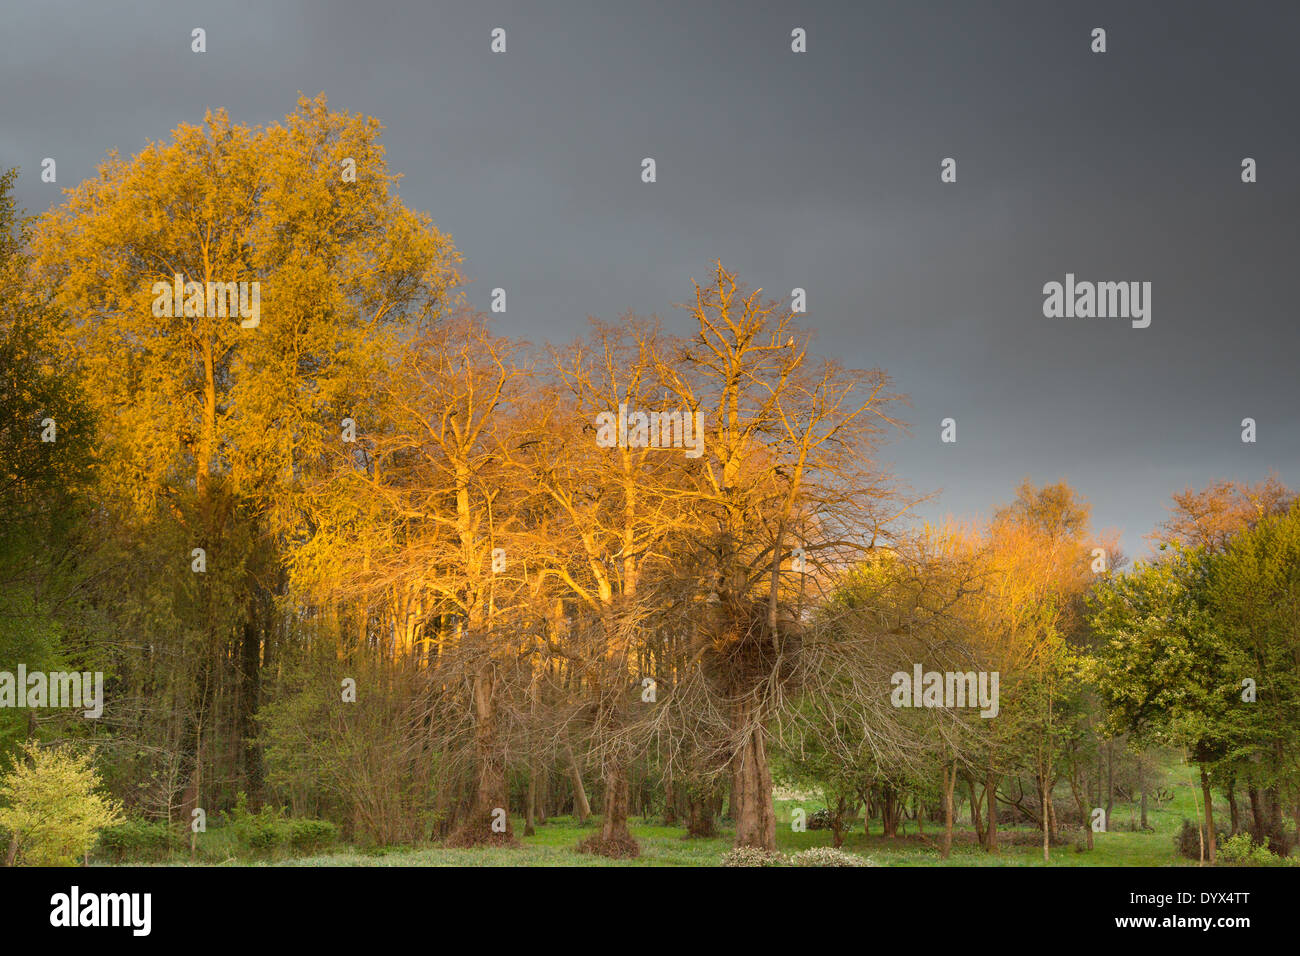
(228, 294)
(620, 504)
(787, 464)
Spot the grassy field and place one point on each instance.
(552, 844)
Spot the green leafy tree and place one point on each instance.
(1253, 591)
(46, 437)
(1166, 674)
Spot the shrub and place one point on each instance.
(308, 836)
(262, 831)
(820, 820)
(1277, 839)
(53, 811)
(1188, 841)
(136, 840)
(617, 848)
(269, 829)
(753, 856)
(828, 856)
(1241, 850)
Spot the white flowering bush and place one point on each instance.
(753, 856)
(828, 856)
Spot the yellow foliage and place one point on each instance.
(52, 807)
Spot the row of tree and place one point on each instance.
(371, 560)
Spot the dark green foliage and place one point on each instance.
(137, 840)
(820, 820)
(1188, 840)
(269, 830)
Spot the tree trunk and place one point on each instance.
(1047, 817)
(889, 812)
(991, 803)
(755, 815)
(250, 691)
(580, 805)
(491, 793)
(1142, 784)
(975, 817)
(190, 803)
(489, 816)
(1275, 824)
(543, 795)
(530, 804)
(699, 814)
(1260, 825)
(1077, 791)
(1211, 840)
(614, 831)
(1110, 779)
(949, 782)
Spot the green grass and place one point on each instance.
(553, 844)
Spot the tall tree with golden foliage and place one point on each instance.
(215, 403)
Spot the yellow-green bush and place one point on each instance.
(49, 803)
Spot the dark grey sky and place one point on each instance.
(818, 170)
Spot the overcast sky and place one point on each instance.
(818, 170)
